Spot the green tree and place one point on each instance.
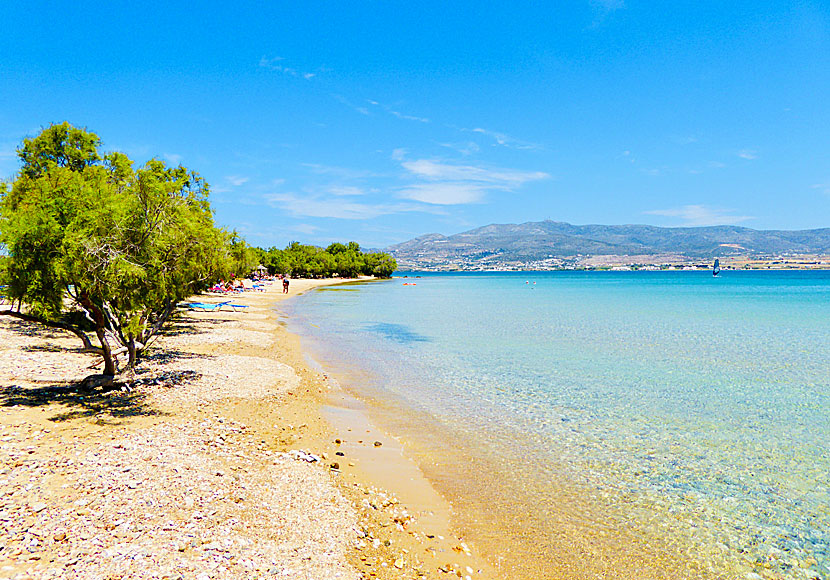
(379, 264)
(59, 146)
(298, 259)
(274, 260)
(336, 248)
(244, 257)
(346, 260)
(96, 245)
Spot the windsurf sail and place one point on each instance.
(716, 269)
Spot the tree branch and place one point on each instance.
(52, 324)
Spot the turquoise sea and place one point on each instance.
(604, 424)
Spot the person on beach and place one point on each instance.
(285, 285)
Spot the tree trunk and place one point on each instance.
(93, 382)
(100, 331)
(133, 353)
(109, 360)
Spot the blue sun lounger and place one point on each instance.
(204, 306)
(236, 307)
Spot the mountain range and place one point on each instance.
(551, 241)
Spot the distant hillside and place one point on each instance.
(555, 241)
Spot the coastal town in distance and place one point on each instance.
(618, 263)
(549, 245)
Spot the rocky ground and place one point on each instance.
(213, 463)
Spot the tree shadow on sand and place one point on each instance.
(111, 404)
(185, 325)
(114, 403)
(170, 355)
(26, 328)
(45, 348)
(106, 406)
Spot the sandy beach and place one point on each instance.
(215, 462)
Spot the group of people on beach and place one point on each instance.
(237, 285)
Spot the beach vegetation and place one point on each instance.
(337, 259)
(97, 245)
(244, 258)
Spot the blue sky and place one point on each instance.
(381, 121)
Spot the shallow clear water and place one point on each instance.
(704, 401)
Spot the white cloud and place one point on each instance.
(342, 190)
(701, 215)
(271, 63)
(341, 99)
(822, 187)
(397, 114)
(747, 154)
(400, 115)
(173, 158)
(341, 172)
(307, 229)
(465, 149)
(685, 140)
(429, 169)
(444, 193)
(314, 206)
(236, 180)
(399, 154)
(275, 65)
(505, 140)
(448, 184)
(630, 157)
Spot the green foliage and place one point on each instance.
(59, 146)
(89, 233)
(380, 265)
(345, 260)
(244, 258)
(4, 268)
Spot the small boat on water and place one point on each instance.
(716, 269)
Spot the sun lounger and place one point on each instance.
(204, 306)
(236, 307)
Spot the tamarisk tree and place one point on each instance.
(97, 246)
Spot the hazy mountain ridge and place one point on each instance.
(539, 241)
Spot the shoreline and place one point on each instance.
(219, 462)
(532, 530)
(584, 527)
(201, 468)
(400, 504)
